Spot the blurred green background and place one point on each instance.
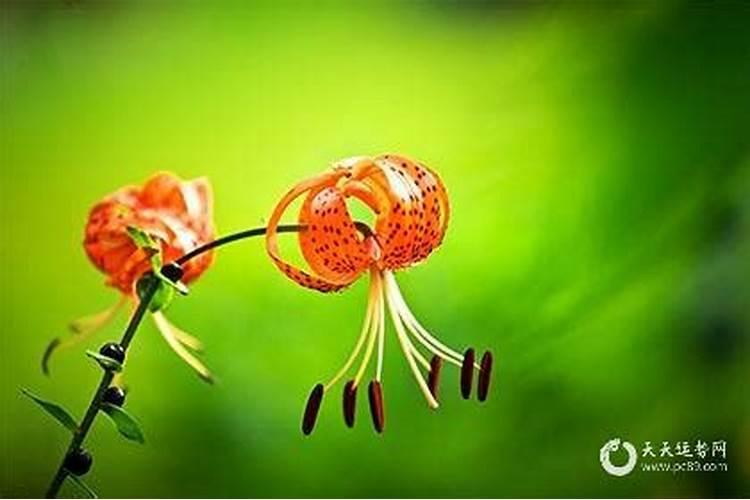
(598, 162)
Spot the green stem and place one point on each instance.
(93, 409)
(249, 233)
(80, 435)
(258, 231)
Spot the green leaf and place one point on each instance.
(82, 485)
(142, 239)
(177, 285)
(164, 291)
(155, 259)
(105, 362)
(151, 245)
(162, 298)
(125, 423)
(57, 411)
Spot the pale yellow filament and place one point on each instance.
(366, 328)
(376, 286)
(404, 341)
(168, 332)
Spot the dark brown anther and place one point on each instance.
(350, 400)
(434, 378)
(467, 373)
(311, 410)
(376, 406)
(485, 371)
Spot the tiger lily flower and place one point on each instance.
(411, 211)
(175, 213)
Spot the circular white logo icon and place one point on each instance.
(612, 446)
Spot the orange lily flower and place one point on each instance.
(411, 210)
(177, 214)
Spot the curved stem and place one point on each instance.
(80, 434)
(257, 231)
(249, 233)
(93, 409)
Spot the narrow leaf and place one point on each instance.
(82, 485)
(149, 244)
(105, 362)
(177, 285)
(142, 239)
(125, 423)
(162, 298)
(155, 259)
(48, 353)
(57, 411)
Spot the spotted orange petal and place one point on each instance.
(411, 208)
(177, 213)
(300, 276)
(331, 245)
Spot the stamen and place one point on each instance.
(484, 376)
(467, 373)
(418, 355)
(167, 331)
(186, 339)
(405, 346)
(415, 333)
(366, 328)
(311, 409)
(376, 406)
(425, 343)
(434, 378)
(376, 289)
(81, 329)
(380, 333)
(350, 400)
(92, 323)
(367, 356)
(421, 333)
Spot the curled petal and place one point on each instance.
(304, 278)
(191, 201)
(414, 210)
(331, 244)
(411, 215)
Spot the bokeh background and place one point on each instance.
(598, 161)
